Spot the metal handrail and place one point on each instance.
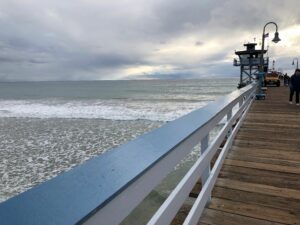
(104, 190)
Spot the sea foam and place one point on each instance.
(101, 109)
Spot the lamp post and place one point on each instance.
(260, 75)
(275, 40)
(293, 63)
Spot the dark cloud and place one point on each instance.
(198, 43)
(67, 40)
(101, 60)
(4, 59)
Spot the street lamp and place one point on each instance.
(260, 94)
(294, 63)
(275, 40)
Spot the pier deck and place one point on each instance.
(260, 179)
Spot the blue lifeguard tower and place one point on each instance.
(249, 62)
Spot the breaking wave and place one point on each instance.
(102, 109)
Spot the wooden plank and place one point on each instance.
(216, 217)
(266, 152)
(270, 139)
(259, 188)
(260, 172)
(255, 211)
(246, 142)
(272, 123)
(271, 133)
(257, 176)
(264, 165)
(282, 115)
(262, 131)
(272, 161)
(247, 123)
(292, 205)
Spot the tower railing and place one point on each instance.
(248, 62)
(105, 189)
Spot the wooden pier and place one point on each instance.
(259, 183)
(255, 178)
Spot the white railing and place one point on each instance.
(106, 189)
(201, 169)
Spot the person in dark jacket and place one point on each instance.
(286, 80)
(295, 86)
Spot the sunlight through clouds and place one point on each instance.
(98, 40)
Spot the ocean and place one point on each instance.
(49, 127)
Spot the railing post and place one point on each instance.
(205, 174)
(241, 102)
(229, 115)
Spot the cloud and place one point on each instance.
(198, 43)
(97, 39)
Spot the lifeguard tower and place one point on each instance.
(249, 61)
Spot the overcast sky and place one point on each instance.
(138, 39)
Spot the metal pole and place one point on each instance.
(260, 94)
(261, 68)
(263, 45)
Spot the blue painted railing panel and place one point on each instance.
(75, 195)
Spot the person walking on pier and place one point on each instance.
(286, 80)
(295, 86)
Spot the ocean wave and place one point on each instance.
(102, 109)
